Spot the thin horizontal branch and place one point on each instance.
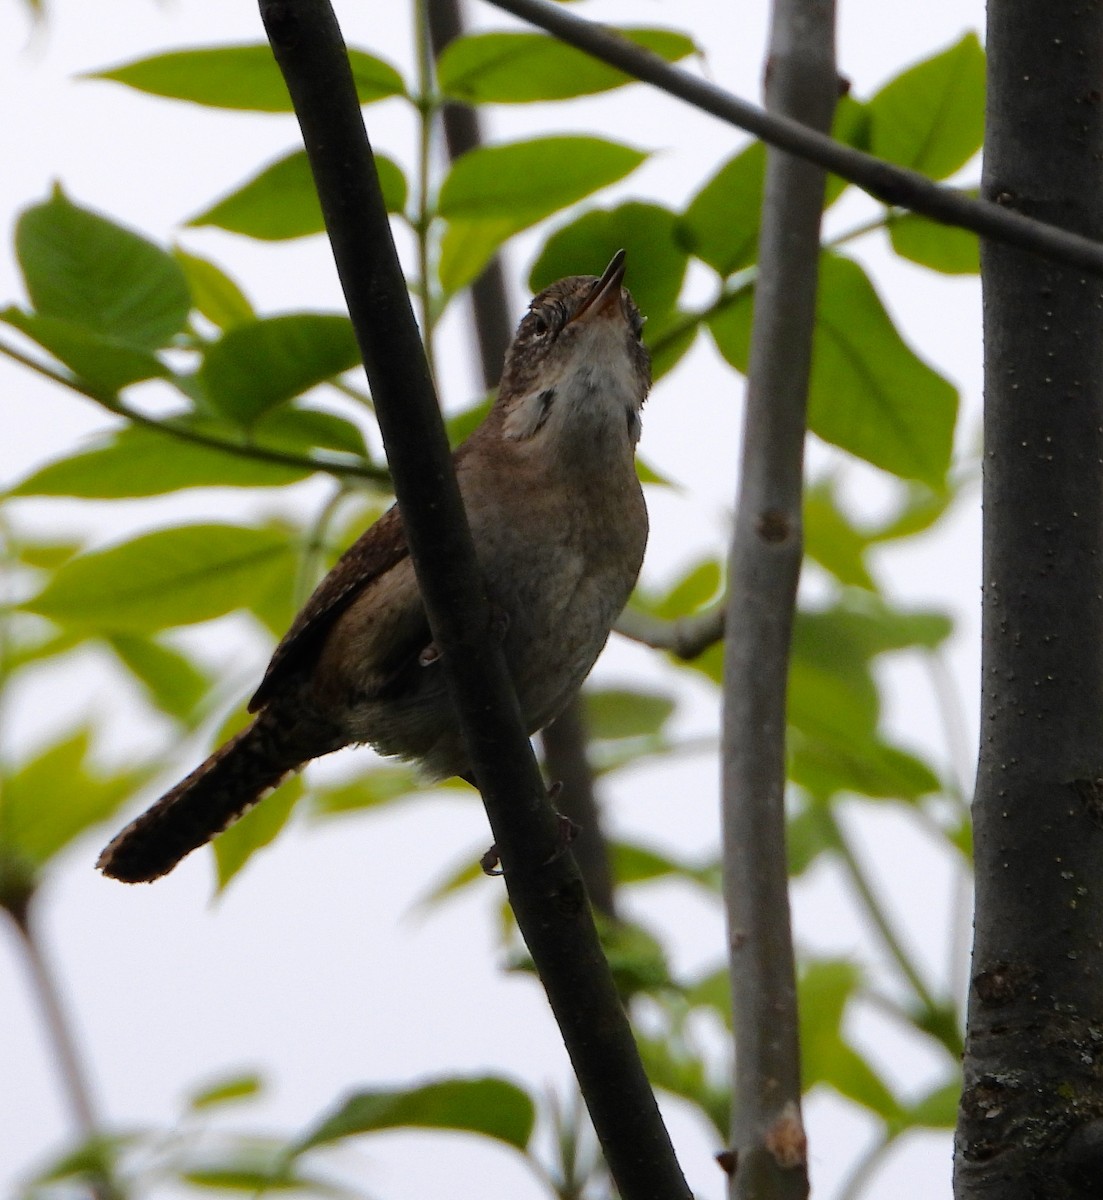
(119, 408)
(891, 184)
(542, 879)
(684, 637)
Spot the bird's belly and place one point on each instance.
(553, 605)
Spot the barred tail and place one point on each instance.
(213, 796)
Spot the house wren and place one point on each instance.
(549, 484)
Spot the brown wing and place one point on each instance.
(373, 553)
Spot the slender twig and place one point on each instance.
(62, 1042)
(860, 1174)
(875, 910)
(765, 559)
(891, 184)
(183, 433)
(684, 637)
(353, 393)
(542, 880)
(314, 547)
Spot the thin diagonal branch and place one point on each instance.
(17, 901)
(892, 184)
(544, 886)
(182, 433)
(767, 545)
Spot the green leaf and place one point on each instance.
(23, 651)
(281, 202)
(260, 826)
(469, 871)
(244, 1163)
(931, 117)
(301, 430)
(943, 248)
(57, 795)
(104, 363)
(214, 293)
(677, 1069)
(516, 68)
(257, 365)
(85, 269)
(171, 577)
(669, 339)
(92, 1161)
(139, 461)
(459, 426)
(868, 392)
(633, 863)
(636, 957)
(920, 508)
(640, 864)
(699, 587)
(170, 679)
(489, 1106)
(712, 990)
(467, 246)
(648, 474)
(493, 192)
(721, 224)
(656, 263)
(825, 988)
(805, 838)
(938, 1108)
(866, 765)
(370, 789)
(832, 695)
(830, 538)
(831, 691)
(864, 626)
(240, 77)
(236, 1087)
(46, 555)
(613, 713)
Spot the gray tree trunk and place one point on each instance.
(1029, 1124)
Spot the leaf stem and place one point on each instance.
(874, 909)
(119, 408)
(59, 1032)
(314, 547)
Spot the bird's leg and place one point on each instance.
(499, 624)
(567, 831)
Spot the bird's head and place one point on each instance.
(577, 368)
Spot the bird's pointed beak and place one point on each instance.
(605, 294)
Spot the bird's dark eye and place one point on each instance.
(540, 327)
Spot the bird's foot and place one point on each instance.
(566, 833)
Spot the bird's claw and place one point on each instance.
(567, 831)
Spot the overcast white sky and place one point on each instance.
(312, 967)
